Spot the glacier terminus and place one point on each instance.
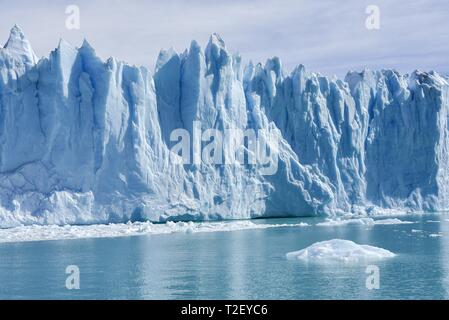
(85, 141)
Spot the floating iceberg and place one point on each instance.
(339, 251)
(86, 141)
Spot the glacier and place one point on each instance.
(87, 141)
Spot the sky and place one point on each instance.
(327, 36)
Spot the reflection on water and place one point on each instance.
(443, 248)
(247, 264)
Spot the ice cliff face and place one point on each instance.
(88, 141)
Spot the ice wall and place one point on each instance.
(88, 141)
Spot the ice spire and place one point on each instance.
(19, 46)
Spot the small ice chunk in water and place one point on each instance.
(361, 222)
(340, 251)
(435, 235)
(391, 221)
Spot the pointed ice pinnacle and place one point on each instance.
(215, 39)
(19, 46)
(216, 53)
(64, 44)
(164, 57)
(86, 46)
(215, 46)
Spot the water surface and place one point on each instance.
(244, 264)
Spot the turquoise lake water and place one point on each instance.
(246, 264)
